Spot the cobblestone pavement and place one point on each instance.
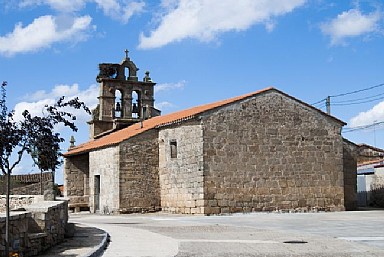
(256, 234)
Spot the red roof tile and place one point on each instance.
(116, 137)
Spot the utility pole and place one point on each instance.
(374, 132)
(328, 104)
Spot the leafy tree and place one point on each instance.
(33, 135)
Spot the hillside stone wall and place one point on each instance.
(271, 153)
(139, 177)
(181, 172)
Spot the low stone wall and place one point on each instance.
(33, 189)
(19, 201)
(38, 228)
(29, 184)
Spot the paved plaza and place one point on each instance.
(255, 234)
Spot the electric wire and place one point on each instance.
(361, 102)
(355, 101)
(323, 100)
(322, 103)
(358, 91)
(373, 125)
(358, 99)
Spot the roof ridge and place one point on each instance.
(168, 119)
(158, 121)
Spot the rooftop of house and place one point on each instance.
(374, 148)
(371, 163)
(172, 118)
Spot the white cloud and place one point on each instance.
(57, 91)
(351, 23)
(43, 32)
(205, 19)
(122, 11)
(41, 98)
(369, 117)
(164, 105)
(169, 86)
(59, 5)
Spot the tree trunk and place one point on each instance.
(7, 215)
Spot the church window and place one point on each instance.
(173, 144)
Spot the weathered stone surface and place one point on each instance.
(350, 177)
(268, 152)
(139, 177)
(38, 228)
(181, 177)
(377, 188)
(104, 164)
(28, 184)
(76, 180)
(19, 201)
(272, 153)
(128, 173)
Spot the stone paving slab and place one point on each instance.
(346, 234)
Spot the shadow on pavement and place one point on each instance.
(86, 240)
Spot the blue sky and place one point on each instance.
(199, 51)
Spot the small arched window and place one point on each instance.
(126, 73)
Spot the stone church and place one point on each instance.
(262, 151)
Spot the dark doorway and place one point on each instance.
(97, 193)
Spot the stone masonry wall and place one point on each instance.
(181, 177)
(38, 228)
(33, 189)
(350, 175)
(28, 184)
(377, 188)
(104, 163)
(76, 180)
(270, 153)
(18, 228)
(139, 177)
(50, 218)
(19, 201)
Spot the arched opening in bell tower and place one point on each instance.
(136, 105)
(126, 73)
(118, 104)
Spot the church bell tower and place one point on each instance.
(123, 99)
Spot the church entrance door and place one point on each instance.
(97, 193)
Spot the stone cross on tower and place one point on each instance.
(126, 53)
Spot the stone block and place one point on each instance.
(212, 210)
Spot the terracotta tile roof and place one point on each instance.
(159, 121)
(377, 161)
